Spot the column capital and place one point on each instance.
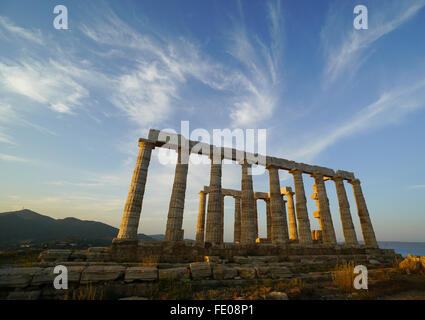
(244, 162)
(295, 171)
(271, 167)
(146, 142)
(354, 182)
(317, 175)
(337, 178)
(202, 192)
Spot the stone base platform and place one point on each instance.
(187, 252)
(174, 252)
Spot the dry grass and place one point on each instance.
(343, 276)
(81, 293)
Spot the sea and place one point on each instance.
(404, 248)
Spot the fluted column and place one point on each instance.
(328, 231)
(363, 212)
(269, 219)
(247, 217)
(344, 211)
(213, 227)
(133, 205)
(292, 221)
(303, 221)
(279, 227)
(222, 220)
(237, 226)
(174, 231)
(200, 233)
(255, 218)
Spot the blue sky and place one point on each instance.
(74, 102)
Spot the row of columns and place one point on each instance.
(247, 232)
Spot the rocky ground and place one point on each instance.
(245, 277)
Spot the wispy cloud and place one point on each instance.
(260, 77)
(388, 109)
(46, 82)
(33, 35)
(353, 49)
(10, 158)
(418, 186)
(10, 116)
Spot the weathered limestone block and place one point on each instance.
(276, 295)
(279, 272)
(263, 272)
(200, 270)
(17, 277)
(46, 276)
(54, 255)
(98, 256)
(79, 255)
(174, 274)
(101, 273)
(141, 274)
(24, 295)
(98, 249)
(374, 262)
(222, 272)
(241, 259)
(247, 273)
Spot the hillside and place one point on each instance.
(26, 226)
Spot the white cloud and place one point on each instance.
(258, 81)
(10, 158)
(418, 186)
(33, 35)
(45, 82)
(352, 51)
(388, 109)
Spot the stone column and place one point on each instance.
(222, 220)
(292, 221)
(269, 219)
(213, 227)
(303, 221)
(247, 217)
(328, 231)
(237, 227)
(365, 223)
(133, 205)
(174, 231)
(279, 227)
(201, 217)
(344, 211)
(255, 218)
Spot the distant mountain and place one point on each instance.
(26, 226)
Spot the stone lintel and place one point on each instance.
(175, 141)
(238, 194)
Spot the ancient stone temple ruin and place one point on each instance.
(288, 223)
